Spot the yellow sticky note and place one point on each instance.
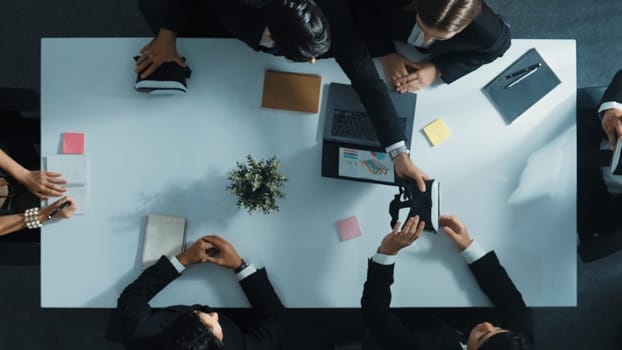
(436, 131)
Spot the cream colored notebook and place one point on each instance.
(75, 170)
(164, 235)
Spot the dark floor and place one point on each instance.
(595, 324)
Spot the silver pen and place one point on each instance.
(521, 78)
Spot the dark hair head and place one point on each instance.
(449, 16)
(299, 29)
(188, 333)
(506, 341)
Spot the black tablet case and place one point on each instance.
(512, 102)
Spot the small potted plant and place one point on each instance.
(257, 184)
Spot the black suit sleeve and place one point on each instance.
(614, 91)
(354, 59)
(387, 330)
(495, 282)
(176, 12)
(374, 19)
(133, 307)
(492, 37)
(269, 330)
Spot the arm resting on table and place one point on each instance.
(495, 282)
(133, 305)
(354, 59)
(387, 330)
(268, 307)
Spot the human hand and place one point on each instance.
(456, 230)
(211, 321)
(225, 255)
(161, 49)
(394, 66)
(424, 74)
(612, 124)
(396, 239)
(405, 168)
(43, 183)
(65, 213)
(197, 253)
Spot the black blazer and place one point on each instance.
(481, 42)
(614, 91)
(390, 333)
(245, 20)
(139, 326)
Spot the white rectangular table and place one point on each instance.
(170, 154)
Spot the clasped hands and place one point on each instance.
(406, 75)
(398, 239)
(211, 249)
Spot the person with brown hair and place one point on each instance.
(460, 35)
(299, 30)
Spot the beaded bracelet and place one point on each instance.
(31, 218)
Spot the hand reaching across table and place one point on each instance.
(405, 168)
(162, 48)
(397, 239)
(612, 124)
(43, 184)
(456, 230)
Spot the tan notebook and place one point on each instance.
(291, 91)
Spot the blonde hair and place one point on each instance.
(450, 16)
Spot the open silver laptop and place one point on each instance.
(351, 149)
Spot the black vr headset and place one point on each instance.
(168, 79)
(425, 204)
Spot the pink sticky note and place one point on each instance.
(348, 228)
(73, 143)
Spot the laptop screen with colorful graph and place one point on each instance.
(365, 164)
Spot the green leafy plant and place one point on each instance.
(257, 184)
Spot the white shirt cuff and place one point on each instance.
(178, 266)
(473, 252)
(384, 259)
(609, 105)
(248, 270)
(395, 146)
(266, 39)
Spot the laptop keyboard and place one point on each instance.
(354, 125)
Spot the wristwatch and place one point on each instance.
(242, 266)
(397, 151)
